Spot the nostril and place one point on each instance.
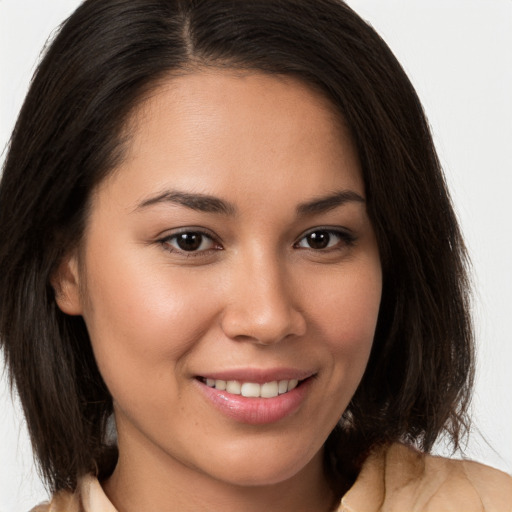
(266, 328)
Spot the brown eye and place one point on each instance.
(189, 241)
(318, 239)
(325, 239)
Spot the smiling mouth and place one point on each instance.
(252, 389)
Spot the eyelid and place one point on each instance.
(345, 234)
(164, 241)
(169, 233)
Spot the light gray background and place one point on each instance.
(458, 54)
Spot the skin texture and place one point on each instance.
(255, 295)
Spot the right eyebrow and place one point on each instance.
(199, 202)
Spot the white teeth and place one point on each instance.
(233, 387)
(269, 390)
(293, 384)
(252, 389)
(283, 386)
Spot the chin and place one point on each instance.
(246, 469)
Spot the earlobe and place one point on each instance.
(66, 285)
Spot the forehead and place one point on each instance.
(219, 132)
(215, 88)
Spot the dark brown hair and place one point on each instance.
(68, 137)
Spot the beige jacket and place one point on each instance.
(394, 479)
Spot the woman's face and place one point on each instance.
(230, 249)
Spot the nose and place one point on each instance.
(262, 306)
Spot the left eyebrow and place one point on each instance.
(326, 203)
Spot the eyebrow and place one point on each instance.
(327, 203)
(211, 204)
(198, 202)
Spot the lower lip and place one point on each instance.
(256, 411)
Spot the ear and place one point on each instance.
(66, 285)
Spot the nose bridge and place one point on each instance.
(262, 305)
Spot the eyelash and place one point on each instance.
(188, 254)
(346, 239)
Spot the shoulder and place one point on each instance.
(63, 501)
(400, 478)
(88, 497)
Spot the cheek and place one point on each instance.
(346, 315)
(142, 318)
(344, 310)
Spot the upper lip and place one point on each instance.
(258, 375)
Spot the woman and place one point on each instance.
(224, 225)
